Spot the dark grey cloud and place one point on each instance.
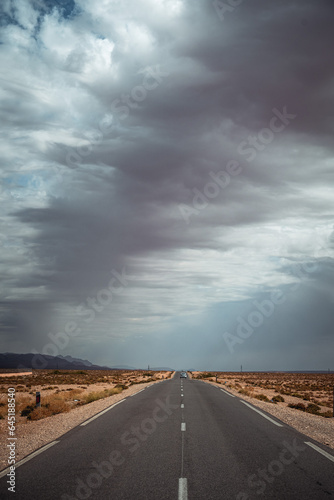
(120, 123)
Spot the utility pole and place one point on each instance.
(241, 368)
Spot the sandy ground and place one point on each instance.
(248, 383)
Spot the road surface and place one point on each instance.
(178, 439)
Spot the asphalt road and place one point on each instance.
(178, 439)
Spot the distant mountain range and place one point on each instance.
(10, 360)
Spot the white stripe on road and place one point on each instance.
(232, 396)
(182, 406)
(324, 453)
(183, 489)
(29, 457)
(101, 412)
(263, 415)
(183, 426)
(135, 394)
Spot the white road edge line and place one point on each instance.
(183, 489)
(324, 453)
(232, 395)
(101, 412)
(135, 394)
(263, 415)
(183, 426)
(29, 457)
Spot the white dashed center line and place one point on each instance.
(183, 489)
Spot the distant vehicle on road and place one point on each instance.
(183, 375)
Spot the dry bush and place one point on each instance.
(39, 413)
(94, 396)
(60, 397)
(70, 394)
(327, 414)
(245, 392)
(298, 406)
(57, 406)
(22, 402)
(278, 398)
(261, 397)
(312, 408)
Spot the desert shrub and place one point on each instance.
(74, 392)
(312, 408)
(297, 395)
(95, 396)
(278, 398)
(115, 390)
(246, 392)
(327, 414)
(39, 413)
(57, 406)
(298, 406)
(63, 395)
(121, 386)
(22, 402)
(261, 397)
(204, 375)
(27, 410)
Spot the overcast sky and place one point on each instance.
(167, 176)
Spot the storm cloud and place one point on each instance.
(166, 165)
